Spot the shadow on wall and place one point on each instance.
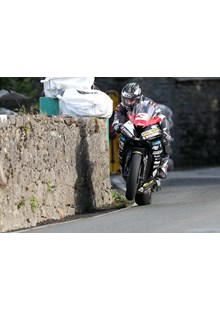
(84, 191)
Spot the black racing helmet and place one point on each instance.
(131, 95)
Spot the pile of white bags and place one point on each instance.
(76, 97)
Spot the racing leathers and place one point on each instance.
(121, 116)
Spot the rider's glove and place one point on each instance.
(166, 138)
(117, 128)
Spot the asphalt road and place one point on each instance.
(188, 202)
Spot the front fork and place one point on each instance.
(151, 157)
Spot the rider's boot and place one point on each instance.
(162, 170)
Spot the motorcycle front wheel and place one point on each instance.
(133, 176)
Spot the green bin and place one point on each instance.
(49, 106)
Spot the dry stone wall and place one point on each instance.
(54, 167)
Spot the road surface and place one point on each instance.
(188, 202)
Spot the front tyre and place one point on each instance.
(133, 176)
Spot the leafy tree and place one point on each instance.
(24, 85)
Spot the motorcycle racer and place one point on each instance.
(131, 95)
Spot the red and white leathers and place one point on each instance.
(121, 116)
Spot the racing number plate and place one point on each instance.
(150, 133)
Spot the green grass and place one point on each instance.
(49, 187)
(34, 203)
(119, 201)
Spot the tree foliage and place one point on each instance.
(24, 85)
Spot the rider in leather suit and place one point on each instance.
(131, 95)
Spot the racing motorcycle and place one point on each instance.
(141, 141)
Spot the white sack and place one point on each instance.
(86, 103)
(54, 86)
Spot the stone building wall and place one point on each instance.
(195, 103)
(197, 113)
(54, 166)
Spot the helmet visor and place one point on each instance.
(129, 102)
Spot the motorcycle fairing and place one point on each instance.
(144, 115)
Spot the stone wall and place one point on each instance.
(197, 130)
(54, 166)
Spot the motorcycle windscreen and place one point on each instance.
(143, 115)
